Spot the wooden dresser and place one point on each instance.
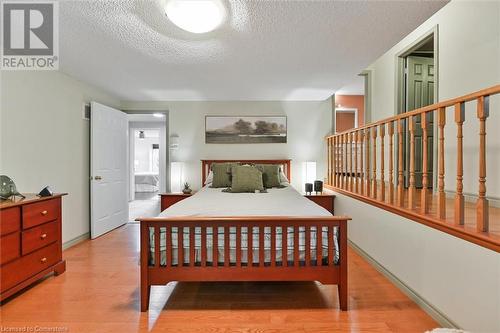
(31, 241)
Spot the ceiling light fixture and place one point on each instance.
(158, 115)
(196, 16)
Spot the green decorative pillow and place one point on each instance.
(246, 178)
(222, 174)
(270, 174)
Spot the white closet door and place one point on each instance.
(108, 167)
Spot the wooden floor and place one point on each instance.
(99, 292)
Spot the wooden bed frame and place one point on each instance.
(289, 269)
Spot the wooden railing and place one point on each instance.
(357, 167)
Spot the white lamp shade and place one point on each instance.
(309, 172)
(176, 177)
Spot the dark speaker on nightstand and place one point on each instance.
(318, 186)
(309, 188)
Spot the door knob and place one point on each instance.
(97, 177)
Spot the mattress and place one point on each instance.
(210, 202)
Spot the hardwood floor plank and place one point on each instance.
(100, 293)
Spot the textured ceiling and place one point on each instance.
(265, 50)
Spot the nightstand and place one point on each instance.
(168, 199)
(324, 199)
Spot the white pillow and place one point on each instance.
(210, 178)
(283, 178)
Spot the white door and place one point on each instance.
(108, 167)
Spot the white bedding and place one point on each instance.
(277, 202)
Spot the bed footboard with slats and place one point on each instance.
(243, 249)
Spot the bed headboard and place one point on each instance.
(205, 166)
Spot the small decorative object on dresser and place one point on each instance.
(8, 188)
(168, 199)
(187, 189)
(31, 241)
(309, 188)
(318, 186)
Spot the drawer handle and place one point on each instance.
(43, 236)
(45, 212)
(43, 260)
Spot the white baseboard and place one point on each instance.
(437, 315)
(76, 240)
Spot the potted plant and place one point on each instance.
(187, 189)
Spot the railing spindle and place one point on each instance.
(332, 161)
(351, 178)
(382, 158)
(329, 153)
(337, 161)
(374, 163)
(424, 194)
(356, 174)
(482, 206)
(411, 189)
(391, 161)
(441, 194)
(361, 169)
(459, 196)
(341, 161)
(346, 184)
(367, 162)
(400, 189)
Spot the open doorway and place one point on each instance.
(417, 87)
(148, 152)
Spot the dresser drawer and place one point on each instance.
(37, 237)
(40, 212)
(10, 220)
(10, 247)
(23, 268)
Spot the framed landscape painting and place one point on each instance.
(245, 129)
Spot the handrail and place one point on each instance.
(356, 167)
(444, 104)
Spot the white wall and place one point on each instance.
(308, 124)
(469, 60)
(45, 141)
(460, 279)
